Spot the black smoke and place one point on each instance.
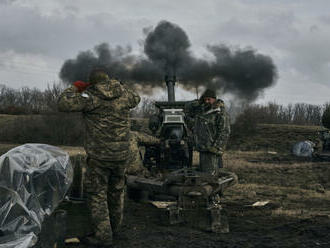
(241, 72)
(167, 46)
(117, 61)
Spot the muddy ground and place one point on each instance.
(298, 191)
(297, 215)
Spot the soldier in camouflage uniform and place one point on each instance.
(324, 140)
(211, 131)
(135, 164)
(105, 106)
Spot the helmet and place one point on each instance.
(208, 93)
(98, 74)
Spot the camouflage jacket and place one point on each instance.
(105, 107)
(211, 129)
(192, 109)
(135, 165)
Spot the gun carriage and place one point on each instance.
(193, 195)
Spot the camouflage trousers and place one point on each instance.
(105, 189)
(209, 162)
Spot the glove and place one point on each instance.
(81, 86)
(213, 149)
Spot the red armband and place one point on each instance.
(81, 86)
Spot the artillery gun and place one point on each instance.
(191, 196)
(175, 148)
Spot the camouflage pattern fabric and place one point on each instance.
(209, 162)
(105, 187)
(212, 129)
(134, 163)
(324, 137)
(105, 107)
(192, 109)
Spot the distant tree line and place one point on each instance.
(38, 119)
(36, 101)
(296, 114)
(29, 101)
(326, 116)
(247, 119)
(41, 122)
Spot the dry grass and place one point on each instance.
(6, 147)
(273, 137)
(72, 150)
(263, 160)
(236, 164)
(300, 213)
(288, 201)
(289, 212)
(294, 188)
(287, 126)
(6, 119)
(297, 189)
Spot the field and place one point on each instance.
(271, 137)
(297, 191)
(297, 213)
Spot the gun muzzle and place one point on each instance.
(170, 82)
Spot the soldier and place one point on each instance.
(135, 164)
(105, 105)
(325, 140)
(211, 131)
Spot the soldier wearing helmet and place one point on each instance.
(211, 131)
(105, 105)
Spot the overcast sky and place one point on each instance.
(36, 36)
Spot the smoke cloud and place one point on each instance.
(167, 46)
(242, 72)
(117, 61)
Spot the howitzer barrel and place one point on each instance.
(170, 88)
